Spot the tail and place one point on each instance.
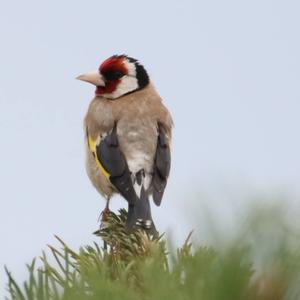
(139, 215)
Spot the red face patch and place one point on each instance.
(110, 87)
(114, 63)
(109, 66)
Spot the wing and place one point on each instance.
(162, 165)
(112, 163)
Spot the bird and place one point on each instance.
(128, 134)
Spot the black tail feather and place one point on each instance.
(139, 215)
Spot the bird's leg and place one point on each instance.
(105, 213)
(106, 209)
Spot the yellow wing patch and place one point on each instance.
(92, 146)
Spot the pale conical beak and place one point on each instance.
(93, 77)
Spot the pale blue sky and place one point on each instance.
(229, 71)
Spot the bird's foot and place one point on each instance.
(104, 215)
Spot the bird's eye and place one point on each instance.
(118, 74)
(112, 75)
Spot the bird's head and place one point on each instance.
(117, 76)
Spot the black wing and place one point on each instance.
(162, 165)
(113, 161)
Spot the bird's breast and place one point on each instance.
(136, 116)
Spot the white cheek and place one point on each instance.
(127, 84)
(130, 67)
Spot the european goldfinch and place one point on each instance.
(128, 136)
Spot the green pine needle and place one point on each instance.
(138, 266)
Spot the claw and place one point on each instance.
(105, 213)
